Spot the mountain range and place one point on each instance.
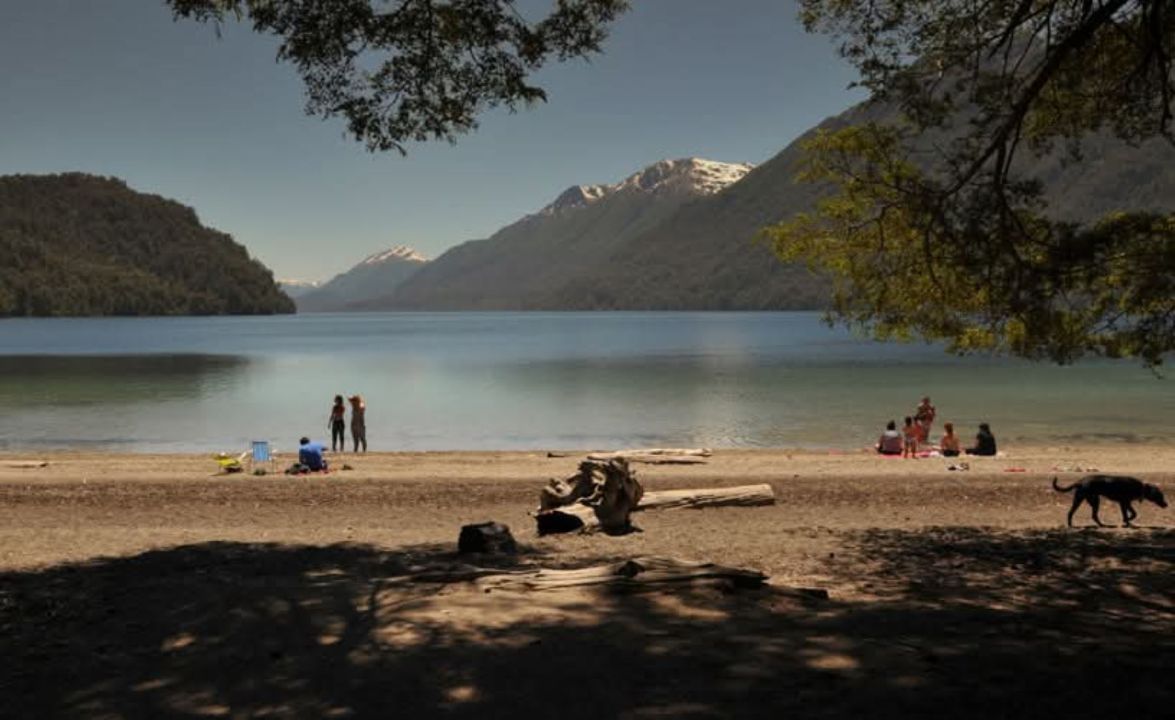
(376, 275)
(681, 235)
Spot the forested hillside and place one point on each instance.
(76, 244)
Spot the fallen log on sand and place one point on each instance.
(740, 495)
(578, 516)
(25, 464)
(644, 571)
(695, 452)
(638, 573)
(653, 459)
(656, 456)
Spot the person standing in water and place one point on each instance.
(358, 422)
(924, 416)
(338, 425)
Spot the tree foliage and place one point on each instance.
(414, 70)
(77, 244)
(937, 227)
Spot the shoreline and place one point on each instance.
(85, 505)
(1117, 458)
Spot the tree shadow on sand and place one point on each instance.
(966, 623)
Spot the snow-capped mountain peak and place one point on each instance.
(578, 196)
(690, 176)
(693, 175)
(400, 252)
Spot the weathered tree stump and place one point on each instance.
(488, 537)
(578, 516)
(601, 495)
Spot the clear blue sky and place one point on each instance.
(117, 87)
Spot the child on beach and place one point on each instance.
(358, 421)
(338, 425)
(949, 444)
(910, 433)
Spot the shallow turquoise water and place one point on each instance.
(533, 380)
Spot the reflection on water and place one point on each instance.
(128, 402)
(115, 379)
(533, 380)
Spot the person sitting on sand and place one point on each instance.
(890, 442)
(984, 442)
(358, 421)
(310, 454)
(910, 433)
(949, 444)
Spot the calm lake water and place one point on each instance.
(533, 381)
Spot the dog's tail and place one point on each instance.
(1060, 488)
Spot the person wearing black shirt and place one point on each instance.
(984, 442)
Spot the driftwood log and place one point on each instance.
(657, 456)
(739, 495)
(25, 464)
(641, 572)
(681, 452)
(655, 459)
(607, 490)
(564, 507)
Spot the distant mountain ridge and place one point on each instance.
(296, 288)
(376, 275)
(77, 244)
(688, 176)
(683, 234)
(528, 264)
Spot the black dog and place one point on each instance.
(1118, 488)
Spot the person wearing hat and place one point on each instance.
(358, 422)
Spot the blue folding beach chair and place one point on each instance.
(262, 454)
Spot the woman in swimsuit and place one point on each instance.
(358, 422)
(338, 425)
(949, 443)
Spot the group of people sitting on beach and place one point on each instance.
(914, 437)
(311, 455)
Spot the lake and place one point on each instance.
(444, 381)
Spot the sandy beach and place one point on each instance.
(142, 585)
